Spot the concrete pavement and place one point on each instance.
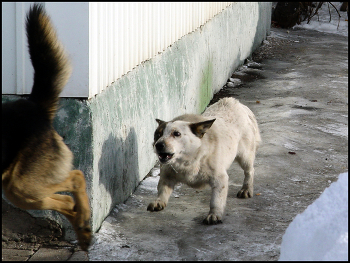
(299, 94)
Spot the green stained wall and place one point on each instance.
(206, 92)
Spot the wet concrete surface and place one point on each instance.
(299, 94)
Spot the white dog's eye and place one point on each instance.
(176, 133)
(157, 135)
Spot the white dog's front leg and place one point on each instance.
(165, 188)
(218, 199)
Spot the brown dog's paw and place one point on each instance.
(212, 219)
(84, 235)
(156, 206)
(82, 226)
(245, 193)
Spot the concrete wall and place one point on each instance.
(111, 134)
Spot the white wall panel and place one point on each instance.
(105, 40)
(122, 35)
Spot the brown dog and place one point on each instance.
(35, 161)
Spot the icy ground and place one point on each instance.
(322, 23)
(319, 233)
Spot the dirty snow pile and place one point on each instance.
(321, 21)
(321, 231)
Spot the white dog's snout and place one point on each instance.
(160, 146)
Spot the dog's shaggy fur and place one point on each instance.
(198, 149)
(35, 161)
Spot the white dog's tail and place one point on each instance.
(255, 125)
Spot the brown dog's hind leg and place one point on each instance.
(63, 204)
(77, 213)
(82, 208)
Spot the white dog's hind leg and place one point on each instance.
(248, 186)
(218, 200)
(248, 183)
(246, 160)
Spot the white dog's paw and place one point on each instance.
(212, 219)
(245, 192)
(156, 206)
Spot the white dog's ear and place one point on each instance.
(200, 128)
(160, 122)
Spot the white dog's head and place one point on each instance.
(178, 140)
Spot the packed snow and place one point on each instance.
(321, 231)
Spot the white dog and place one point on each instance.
(198, 149)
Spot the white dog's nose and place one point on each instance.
(160, 146)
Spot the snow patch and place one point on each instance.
(321, 21)
(321, 231)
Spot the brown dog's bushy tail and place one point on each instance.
(50, 61)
